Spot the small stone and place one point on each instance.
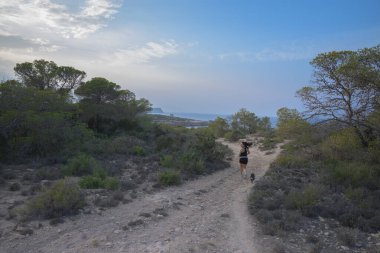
(109, 245)
(326, 233)
(117, 231)
(225, 215)
(344, 248)
(25, 231)
(11, 201)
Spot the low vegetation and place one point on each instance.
(170, 178)
(330, 166)
(63, 198)
(103, 141)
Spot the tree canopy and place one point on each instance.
(346, 89)
(105, 106)
(99, 91)
(245, 122)
(42, 74)
(38, 118)
(219, 126)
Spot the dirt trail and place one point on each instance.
(205, 215)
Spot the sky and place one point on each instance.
(203, 56)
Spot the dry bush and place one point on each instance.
(347, 236)
(302, 199)
(63, 198)
(343, 145)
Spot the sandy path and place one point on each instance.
(205, 215)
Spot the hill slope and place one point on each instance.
(205, 215)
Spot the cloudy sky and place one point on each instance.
(210, 56)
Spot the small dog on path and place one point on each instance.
(252, 177)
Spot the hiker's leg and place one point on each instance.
(245, 170)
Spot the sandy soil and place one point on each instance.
(205, 215)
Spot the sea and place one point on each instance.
(206, 116)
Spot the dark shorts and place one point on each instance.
(243, 160)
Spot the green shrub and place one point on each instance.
(123, 144)
(169, 178)
(255, 200)
(42, 124)
(167, 161)
(111, 183)
(291, 161)
(98, 146)
(355, 194)
(164, 142)
(347, 236)
(15, 187)
(219, 127)
(294, 129)
(63, 198)
(99, 172)
(297, 199)
(355, 174)
(374, 151)
(138, 150)
(267, 144)
(95, 182)
(191, 164)
(48, 173)
(233, 136)
(199, 166)
(109, 201)
(80, 165)
(91, 182)
(343, 145)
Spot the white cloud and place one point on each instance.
(99, 8)
(283, 55)
(44, 18)
(69, 33)
(270, 54)
(150, 51)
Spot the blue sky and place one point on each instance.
(211, 56)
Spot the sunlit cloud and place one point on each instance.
(269, 54)
(99, 8)
(44, 18)
(151, 50)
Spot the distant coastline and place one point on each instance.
(200, 116)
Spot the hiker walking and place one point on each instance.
(243, 158)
